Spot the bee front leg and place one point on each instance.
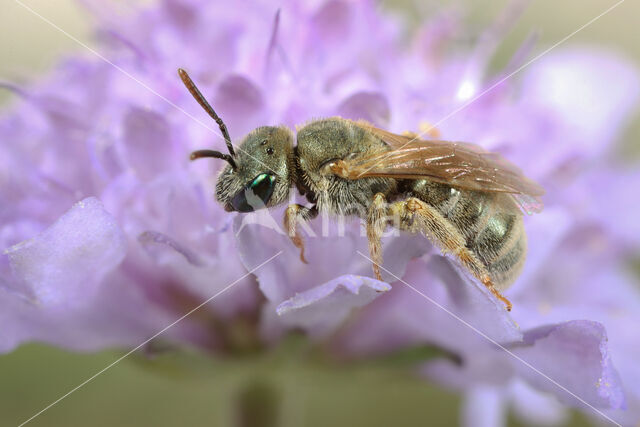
(416, 215)
(292, 215)
(376, 223)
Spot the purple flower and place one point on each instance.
(109, 234)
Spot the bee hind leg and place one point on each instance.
(416, 215)
(292, 215)
(376, 223)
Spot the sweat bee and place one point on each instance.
(467, 201)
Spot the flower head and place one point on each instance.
(110, 234)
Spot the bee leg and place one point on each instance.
(292, 215)
(416, 215)
(376, 223)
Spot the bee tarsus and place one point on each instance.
(292, 215)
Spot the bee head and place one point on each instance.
(259, 175)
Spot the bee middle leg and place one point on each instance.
(376, 223)
(292, 215)
(416, 215)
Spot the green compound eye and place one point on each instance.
(260, 180)
(261, 187)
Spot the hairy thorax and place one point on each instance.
(325, 141)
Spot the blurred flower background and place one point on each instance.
(110, 234)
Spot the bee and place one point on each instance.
(467, 201)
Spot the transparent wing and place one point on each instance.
(457, 164)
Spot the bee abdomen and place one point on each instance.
(501, 246)
(497, 238)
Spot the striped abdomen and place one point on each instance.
(494, 235)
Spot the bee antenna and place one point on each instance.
(211, 153)
(195, 92)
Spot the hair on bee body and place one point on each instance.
(467, 201)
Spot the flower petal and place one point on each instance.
(370, 106)
(241, 103)
(65, 264)
(147, 141)
(194, 273)
(338, 297)
(574, 354)
(332, 250)
(332, 22)
(434, 305)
